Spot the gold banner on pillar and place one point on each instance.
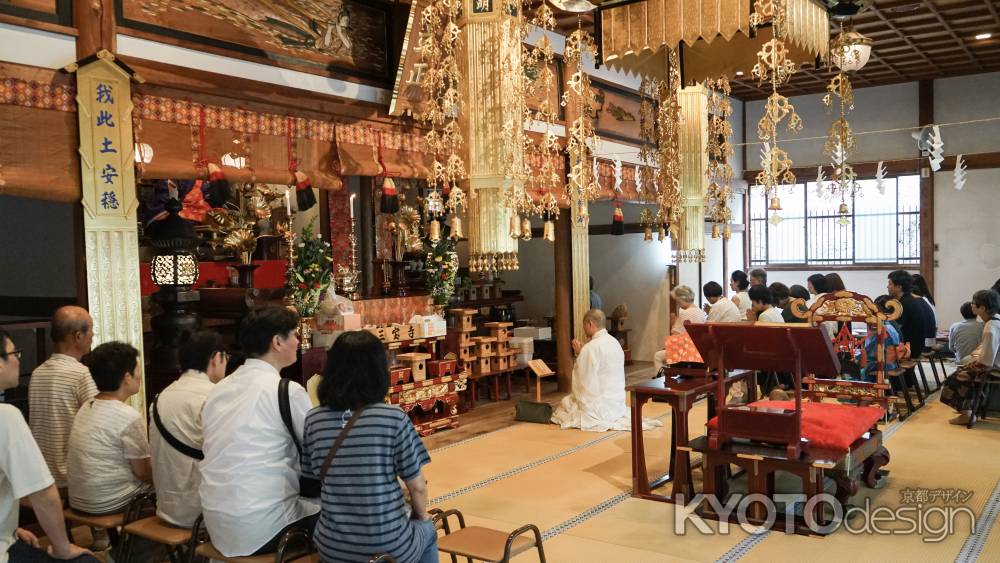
(104, 102)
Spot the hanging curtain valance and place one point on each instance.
(40, 135)
(359, 144)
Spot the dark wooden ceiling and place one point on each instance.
(912, 40)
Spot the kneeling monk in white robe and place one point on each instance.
(597, 403)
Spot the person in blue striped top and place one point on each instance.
(363, 510)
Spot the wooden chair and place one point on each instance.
(910, 367)
(982, 390)
(476, 543)
(200, 546)
(110, 522)
(849, 307)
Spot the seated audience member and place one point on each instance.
(817, 287)
(739, 283)
(958, 388)
(758, 276)
(965, 335)
(60, 386)
(686, 311)
(178, 410)
(763, 309)
(597, 400)
(779, 292)
(108, 462)
(912, 320)
(381, 447)
(922, 292)
(719, 310)
(834, 283)
(795, 292)
(996, 286)
(871, 344)
(25, 474)
(249, 477)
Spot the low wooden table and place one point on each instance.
(680, 393)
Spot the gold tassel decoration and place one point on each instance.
(434, 231)
(456, 228)
(526, 229)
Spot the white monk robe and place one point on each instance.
(597, 403)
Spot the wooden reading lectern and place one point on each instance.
(795, 349)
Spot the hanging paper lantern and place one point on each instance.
(390, 197)
(617, 221)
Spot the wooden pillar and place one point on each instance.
(366, 237)
(95, 23)
(564, 299)
(925, 96)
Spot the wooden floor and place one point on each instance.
(494, 415)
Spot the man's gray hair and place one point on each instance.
(595, 316)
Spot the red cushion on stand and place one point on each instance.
(829, 426)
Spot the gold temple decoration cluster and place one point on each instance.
(774, 66)
(659, 128)
(719, 150)
(438, 43)
(838, 147)
(581, 139)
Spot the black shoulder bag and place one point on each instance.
(308, 486)
(171, 439)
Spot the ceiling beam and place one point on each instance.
(993, 11)
(902, 36)
(947, 26)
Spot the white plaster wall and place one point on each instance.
(34, 47)
(965, 233)
(877, 108)
(966, 98)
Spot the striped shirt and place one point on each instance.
(363, 511)
(56, 391)
(106, 436)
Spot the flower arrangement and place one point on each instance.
(440, 271)
(310, 273)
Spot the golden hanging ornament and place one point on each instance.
(525, 229)
(456, 228)
(549, 231)
(434, 231)
(515, 226)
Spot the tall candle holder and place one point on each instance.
(290, 270)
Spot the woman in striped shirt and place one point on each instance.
(363, 511)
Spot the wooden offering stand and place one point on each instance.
(484, 357)
(746, 435)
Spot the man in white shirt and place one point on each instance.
(178, 410)
(60, 386)
(762, 306)
(719, 310)
(250, 475)
(597, 403)
(965, 335)
(24, 473)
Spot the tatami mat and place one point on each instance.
(575, 485)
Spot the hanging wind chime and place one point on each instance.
(582, 140)
(838, 147)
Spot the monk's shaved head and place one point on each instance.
(68, 320)
(595, 316)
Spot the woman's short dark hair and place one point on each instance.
(197, 351)
(261, 325)
(819, 283)
(920, 288)
(834, 283)
(712, 289)
(903, 279)
(357, 372)
(740, 277)
(4, 337)
(987, 299)
(779, 291)
(966, 310)
(109, 362)
(798, 292)
(996, 286)
(762, 294)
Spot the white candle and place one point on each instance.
(288, 202)
(352, 204)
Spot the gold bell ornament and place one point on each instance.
(647, 233)
(715, 230)
(515, 226)
(844, 210)
(775, 204)
(726, 233)
(526, 228)
(434, 231)
(661, 233)
(456, 228)
(549, 227)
